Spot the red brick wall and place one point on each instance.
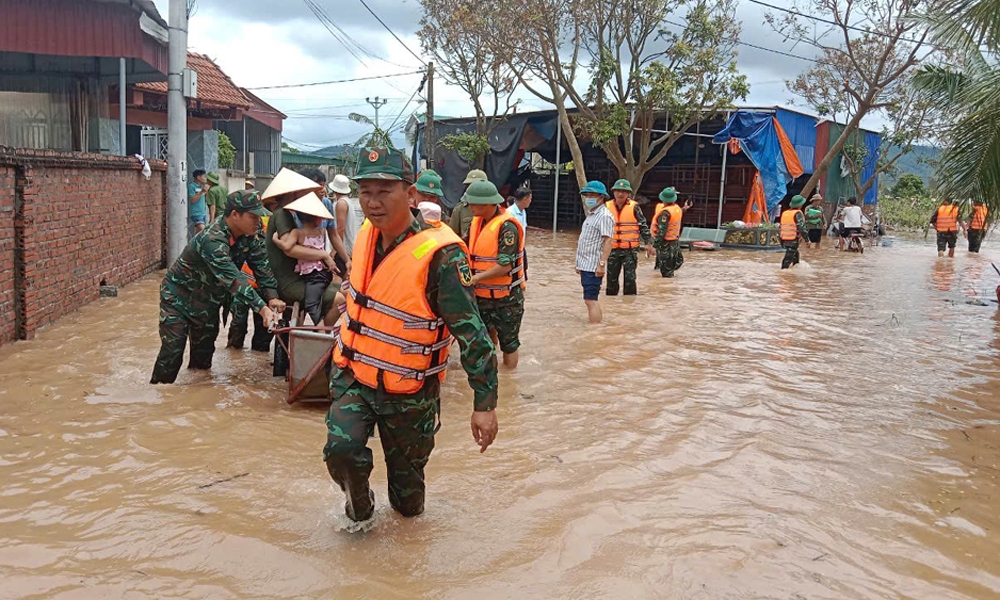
(83, 219)
(8, 331)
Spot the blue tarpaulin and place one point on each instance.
(759, 140)
(873, 143)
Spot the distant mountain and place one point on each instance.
(919, 162)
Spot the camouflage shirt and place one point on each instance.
(453, 300)
(461, 220)
(509, 241)
(206, 272)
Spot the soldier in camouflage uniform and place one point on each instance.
(502, 310)
(203, 276)
(669, 257)
(621, 257)
(407, 422)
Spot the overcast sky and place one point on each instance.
(265, 43)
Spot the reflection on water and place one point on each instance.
(734, 432)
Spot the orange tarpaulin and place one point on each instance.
(756, 211)
(788, 150)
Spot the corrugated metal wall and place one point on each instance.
(873, 143)
(261, 140)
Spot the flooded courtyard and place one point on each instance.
(734, 432)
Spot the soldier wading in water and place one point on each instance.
(411, 293)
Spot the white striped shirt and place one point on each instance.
(598, 225)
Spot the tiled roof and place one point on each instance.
(214, 86)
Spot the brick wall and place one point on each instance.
(76, 220)
(8, 330)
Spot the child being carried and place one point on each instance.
(317, 274)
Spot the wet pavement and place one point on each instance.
(735, 432)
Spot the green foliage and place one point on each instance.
(227, 151)
(470, 146)
(907, 213)
(909, 186)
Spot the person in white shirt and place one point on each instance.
(347, 210)
(522, 200)
(851, 220)
(594, 246)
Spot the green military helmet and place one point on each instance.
(384, 163)
(475, 175)
(482, 192)
(429, 183)
(213, 178)
(668, 195)
(622, 184)
(248, 201)
(797, 201)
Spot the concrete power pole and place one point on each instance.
(429, 125)
(177, 132)
(377, 103)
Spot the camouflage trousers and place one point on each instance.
(619, 259)
(239, 327)
(791, 254)
(669, 258)
(976, 239)
(506, 321)
(406, 427)
(175, 329)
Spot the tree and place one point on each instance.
(376, 138)
(969, 167)
(909, 186)
(227, 151)
(868, 51)
(461, 35)
(694, 77)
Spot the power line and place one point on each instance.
(407, 105)
(314, 83)
(379, 19)
(844, 25)
(754, 46)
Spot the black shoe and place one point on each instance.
(349, 509)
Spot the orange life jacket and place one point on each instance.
(789, 225)
(978, 217)
(626, 225)
(947, 218)
(390, 334)
(251, 277)
(673, 227)
(484, 242)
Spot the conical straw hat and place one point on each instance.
(288, 181)
(310, 204)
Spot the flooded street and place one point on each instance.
(735, 432)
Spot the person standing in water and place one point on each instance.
(594, 246)
(631, 233)
(815, 221)
(945, 221)
(793, 227)
(976, 229)
(667, 222)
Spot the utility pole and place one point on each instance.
(177, 132)
(429, 125)
(376, 104)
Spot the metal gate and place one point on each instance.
(154, 143)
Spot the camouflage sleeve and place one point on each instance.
(508, 245)
(662, 223)
(215, 253)
(644, 233)
(800, 220)
(456, 220)
(449, 291)
(267, 285)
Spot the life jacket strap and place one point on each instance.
(409, 321)
(406, 346)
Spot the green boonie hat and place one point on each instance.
(429, 183)
(248, 201)
(797, 201)
(482, 192)
(622, 184)
(668, 195)
(384, 163)
(475, 175)
(213, 177)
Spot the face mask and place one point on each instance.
(591, 202)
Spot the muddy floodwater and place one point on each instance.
(735, 432)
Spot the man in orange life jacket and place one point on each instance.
(410, 295)
(793, 227)
(976, 229)
(945, 221)
(496, 240)
(667, 222)
(631, 232)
